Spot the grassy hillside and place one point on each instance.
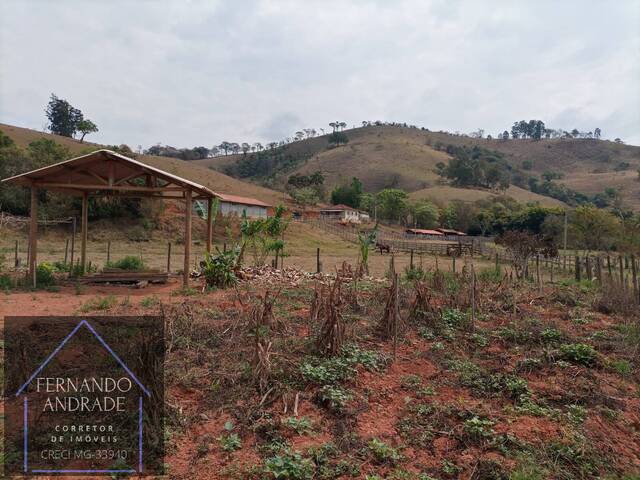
(405, 158)
(446, 193)
(215, 180)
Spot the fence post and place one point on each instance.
(318, 264)
(66, 251)
(621, 273)
(169, 258)
(634, 274)
(411, 260)
(577, 258)
(588, 267)
(599, 270)
(73, 243)
(609, 267)
(15, 260)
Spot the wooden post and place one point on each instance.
(564, 264)
(588, 267)
(108, 252)
(169, 258)
(15, 260)
(84, 222)
(411, 260)
(318, 264)
(577, 269)
(497, 262)
(473, 298)
(621, 273)
(609, 268)
(599, 270)
(209, 224)
(73, 244)
(33, 235)
(634, 275)
(187, 239)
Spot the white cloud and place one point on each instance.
(199, 72)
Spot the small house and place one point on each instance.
(342, 213)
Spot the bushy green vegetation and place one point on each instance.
(476, 166)
(130, 262)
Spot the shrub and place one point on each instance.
(5, 282)
(45, 275)
(579, 353)
(130, 262)
(219, 270)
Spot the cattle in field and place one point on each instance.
(383, 247)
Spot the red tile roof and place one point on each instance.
(420, 231)
(242, 200)
(339, 207)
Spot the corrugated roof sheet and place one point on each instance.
(242, 200)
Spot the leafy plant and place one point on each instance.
(301, 426)
(478, 428)
(219, 270)
(365, 241)
(382, 452)
(579, 353)
(289, 466)
(45, 275)
(335, 397)
(230, 442)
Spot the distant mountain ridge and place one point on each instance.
(406, 157)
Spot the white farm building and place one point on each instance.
(233, 204)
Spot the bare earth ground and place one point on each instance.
(545, 415)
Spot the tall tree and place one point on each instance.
(86, 126)
(63, 117)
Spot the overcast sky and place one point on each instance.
(188, 73)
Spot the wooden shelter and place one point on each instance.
(107, 173)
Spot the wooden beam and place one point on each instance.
(187, 239)
(127, 178)
(85, 224)
(116, 188)
(82, 171)
(33, 236)
(209, 224)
